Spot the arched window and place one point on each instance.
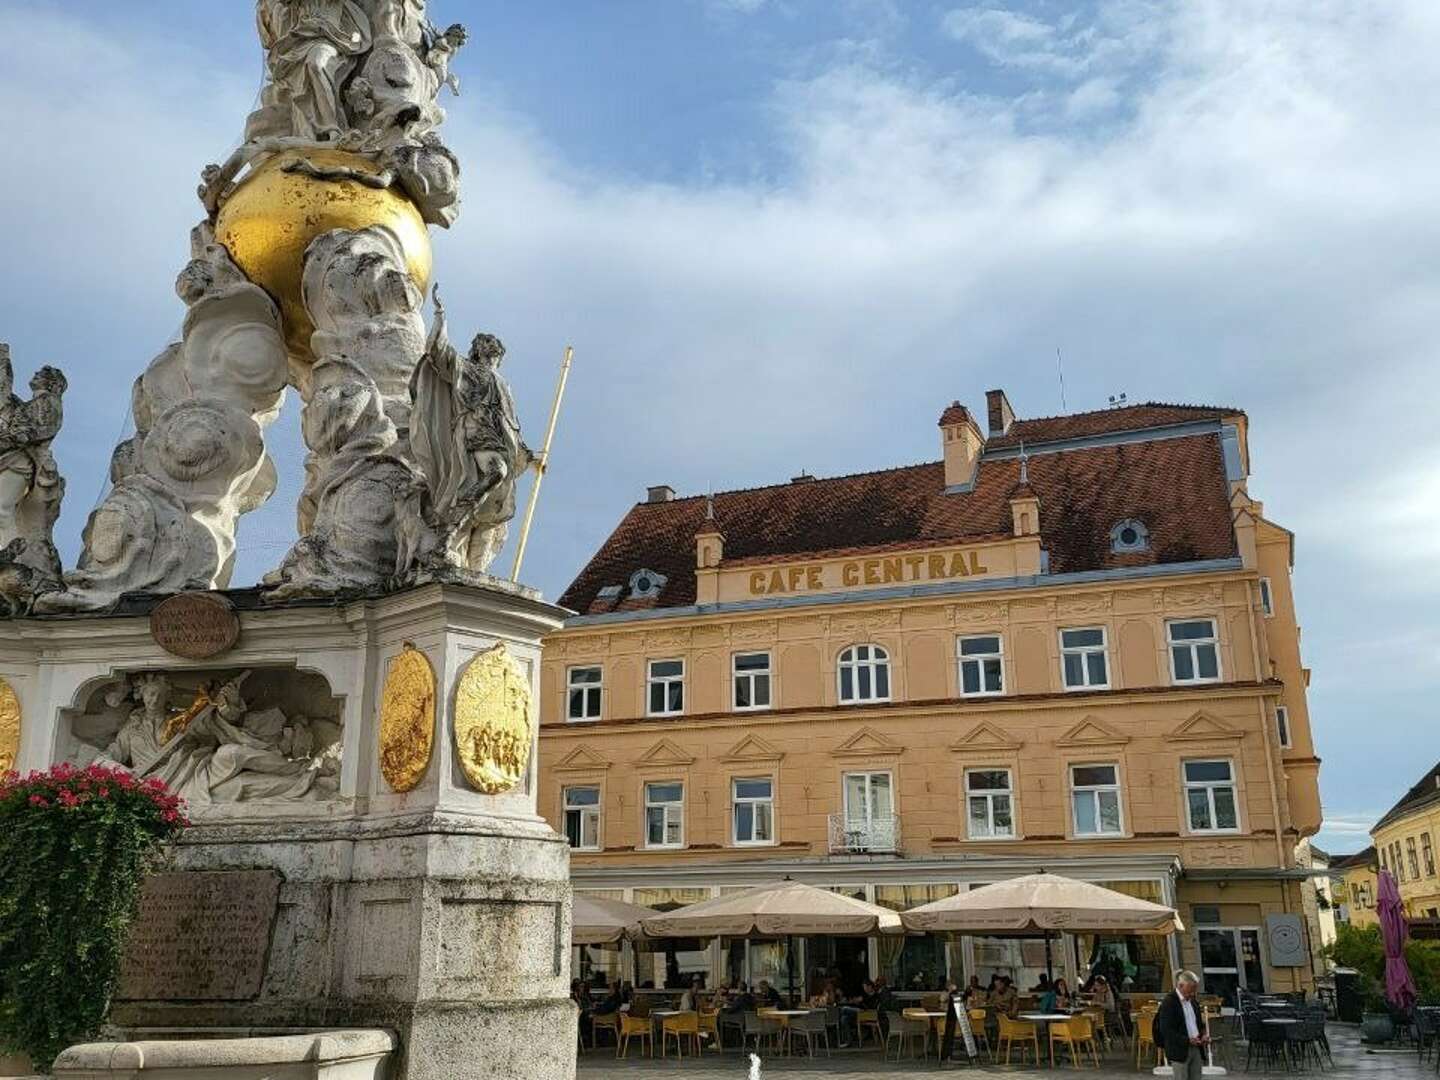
(864, 672)
(1129, 535)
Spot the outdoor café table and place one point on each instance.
(1047, 1019)
(785, 1015)
(929, 1016)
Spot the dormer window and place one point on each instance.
(1129, 535)
(646, 584)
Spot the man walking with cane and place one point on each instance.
(1180, 1028)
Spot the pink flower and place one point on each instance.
(38, 800)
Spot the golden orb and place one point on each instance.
(270, 219)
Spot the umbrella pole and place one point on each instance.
(790, 964)
(1049, 963)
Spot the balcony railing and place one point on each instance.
(853, 836)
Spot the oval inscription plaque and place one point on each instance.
(195, 626)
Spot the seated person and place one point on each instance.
(1005, 998)
(741, 1001)
(1063, 998)
(690, 999)
(767, 995)
(976, 995)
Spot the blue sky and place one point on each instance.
(782, 234)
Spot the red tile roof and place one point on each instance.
(1176, 486)
(1150, 414)
(955, 413)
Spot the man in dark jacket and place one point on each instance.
(1180, 1028)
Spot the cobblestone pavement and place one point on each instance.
(1351, 1060)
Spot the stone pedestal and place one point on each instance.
(441, 914)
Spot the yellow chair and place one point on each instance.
(1078, 1034)
(1145, 1038)
(638, 1027)
(978, 1018)
(607, 1022)
(710, 1025)
(1017, 1031)
(683, 1027)
(869, 1019)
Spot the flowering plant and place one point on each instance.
(75, 845)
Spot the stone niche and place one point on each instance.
(229, 740)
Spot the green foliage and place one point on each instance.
(1363, 948)
(75, 845)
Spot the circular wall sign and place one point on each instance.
(195, 626)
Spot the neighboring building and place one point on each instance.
(1070, 644)
(1355, 885)
(1320, 904)
(1405, 844)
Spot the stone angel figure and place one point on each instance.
(30, 486)
(465, 438)
(312, 47)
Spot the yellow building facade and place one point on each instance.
(1405, 840)
(1068, 645)
(1356, 887)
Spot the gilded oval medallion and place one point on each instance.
(492, 721)
(9, 726)
(407, 719)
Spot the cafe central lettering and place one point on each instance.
(883, 570)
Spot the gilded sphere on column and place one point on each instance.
(271, 218)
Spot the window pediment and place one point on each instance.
(1092, 732)
(867, 742)
(986, 736)
(752, 748)
(581, 759)
(665, 752)
(1204, 727)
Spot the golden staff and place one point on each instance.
(542, 461)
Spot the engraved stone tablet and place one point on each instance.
(200, 936)
(196, 626)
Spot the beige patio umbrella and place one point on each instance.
(1043, 903)
(787, 909)
(605, 922)
(781, 909)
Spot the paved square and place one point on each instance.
(1351, 1060)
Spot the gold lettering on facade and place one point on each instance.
(407, 719)
(493, 727)
(9, 726)
(886, 570)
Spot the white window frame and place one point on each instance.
(669, 807)
(1412, 857)
(750, 676)
(584, 810)
(1193, 645)
(737, 799)
(1094, 791)
(879, 657)
(989, 795)
(981, 661)
(1267, 598)
(587, 690)
(1085, 651)
(652, 680)
(1282, 728)
(1427, 851)
(1209, 787)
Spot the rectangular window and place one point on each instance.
(982, 668)
(1083, 660)
(1282, 725)
(1397, 864)
(1095, 799)
(990, 804)
(582, 818)
(754, 810)
(584, 687)
(667, 688)
(1267, 599)
(665, 814)
(1429, 853)
(1413, 858)
(752, 680)
(1210, 796)
(1194, 651)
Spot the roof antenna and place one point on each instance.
(1024, 464)
(1060, 368)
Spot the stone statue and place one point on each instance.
(30, 486)
(223, 751)
(312, 47)
(465, 439)
(197, 460)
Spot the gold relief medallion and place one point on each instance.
(407, 719)
(9, 726)
(492, 721)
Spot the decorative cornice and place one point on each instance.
(1092, 731)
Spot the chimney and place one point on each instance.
(961, 442)
(660, 493)
(803, 478)
(1001, 415)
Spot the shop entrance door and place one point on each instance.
(1230, 961)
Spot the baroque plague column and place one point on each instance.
(356, 736)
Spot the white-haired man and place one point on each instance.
(1180, 1028)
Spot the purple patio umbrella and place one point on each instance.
(1395, 928)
